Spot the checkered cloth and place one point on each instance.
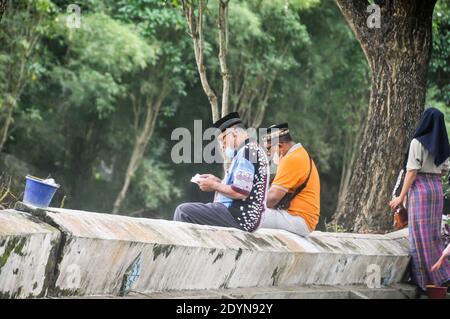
(425, 206)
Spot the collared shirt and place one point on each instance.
(248, 174)
(291, 173)
(421, 160)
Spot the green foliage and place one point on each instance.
(326, 97)
(160, 23)
(74, 117)
(266, 43)
(97, 58)
(19, 61)
(446, 110)
(155, 183)
(439, 75)
(438, 94)
(76, 110)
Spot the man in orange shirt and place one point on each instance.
(293, 201)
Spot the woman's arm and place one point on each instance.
(409, 180)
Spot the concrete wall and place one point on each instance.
(102, 254)
(27, 255)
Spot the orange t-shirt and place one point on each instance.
(292, 171)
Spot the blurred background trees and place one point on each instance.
(95, 107)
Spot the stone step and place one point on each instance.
(398, 291)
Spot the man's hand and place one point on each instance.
(211, 176)
(208, 184)
(211, 183)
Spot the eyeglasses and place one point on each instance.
(223, 138)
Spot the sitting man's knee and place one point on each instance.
(181, 213)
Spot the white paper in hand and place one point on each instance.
(196, 178)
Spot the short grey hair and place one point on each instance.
(239, 129)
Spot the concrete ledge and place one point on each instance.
(111, 255)
(27, 255)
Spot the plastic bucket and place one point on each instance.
(435, 292)
(37, 193)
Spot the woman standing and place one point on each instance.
(426, 161)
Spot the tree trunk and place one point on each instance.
(352, 140)
(223, 52)
(195, 25)
(143, 137)
(398, 54)
(3, 4)
(133, 164)
(6, 125)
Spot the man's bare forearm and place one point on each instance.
(274, 196)
(228, 191)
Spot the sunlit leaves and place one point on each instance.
(99, 55)
(155, 182)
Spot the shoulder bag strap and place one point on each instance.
(303, 185)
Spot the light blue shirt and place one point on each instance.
(239, 176)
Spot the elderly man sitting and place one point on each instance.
(293, 200)
(241, 195)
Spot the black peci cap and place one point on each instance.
(282, 127)
(228, 121)
(275, 131)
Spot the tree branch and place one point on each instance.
(223, 51)
(356, 15)
(196, 27)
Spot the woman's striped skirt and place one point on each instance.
(425, 206)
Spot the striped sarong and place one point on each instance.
(425, 206)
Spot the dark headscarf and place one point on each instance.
(432, 134)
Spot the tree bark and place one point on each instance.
(352, 140)
(398, 54)
(6, 125)
(3, 4)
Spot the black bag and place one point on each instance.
(285, 202)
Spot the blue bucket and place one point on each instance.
(37, 193)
